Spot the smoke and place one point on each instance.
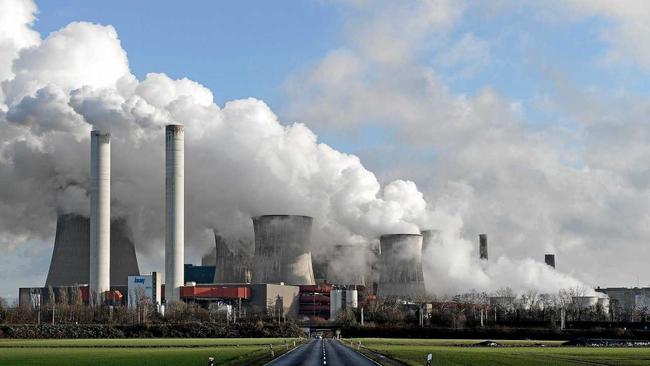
(241, 161)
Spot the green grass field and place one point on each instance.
(131, 352)
(448, 352)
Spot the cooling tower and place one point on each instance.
(70, 263)
(282, 249)
(429, 239)
(347, 265)
(549, 259)
(483, 246)
(174, 212)
(401, 266)
(100, 212)
(232, 266)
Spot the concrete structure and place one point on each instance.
(347, 264)
(283, 249)
(483, 246)
(401, 266)
(71, 255)
(232, 266)
(430, 238)
(100, 214)
(549, 259)
(174, 211)
(145, 289)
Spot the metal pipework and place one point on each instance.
(174, 211)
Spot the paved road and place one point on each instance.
(320, 352)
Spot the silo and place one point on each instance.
(283, 249)
(483, 246)
(549, 259)
(174, 211)
(401, 266)
(100, 213)
(71, 255)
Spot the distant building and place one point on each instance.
(199, 274)
(145, 288)
(625, 298)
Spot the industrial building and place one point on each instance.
(144, 289)
(626, 299)
(400, 271)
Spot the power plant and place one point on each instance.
(400, 267)
(100, 213)
(174, 211)
(96, 255)
(283, 249)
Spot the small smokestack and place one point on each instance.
(549, 259)
(100, 213)
(174, 211)
(482, 246)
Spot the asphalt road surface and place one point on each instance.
(322, 352)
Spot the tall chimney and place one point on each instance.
(100, 214)
(482, 246)
(549, 259)
(174, 211)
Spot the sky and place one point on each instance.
(525, 120)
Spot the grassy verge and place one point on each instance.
(132, 352)
(451, 352)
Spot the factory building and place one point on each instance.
(71, 255)
(283, 249)
(627, 299)
(145, 289)
(199, 274)
(401, 266)
(258, 298)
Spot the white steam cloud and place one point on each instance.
(241, 160)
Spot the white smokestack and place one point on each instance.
(174, 212)
(100, 213)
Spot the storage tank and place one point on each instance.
(401, 266)
(584, 302)
(336, 303)
(351, 299)
(283, 249)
